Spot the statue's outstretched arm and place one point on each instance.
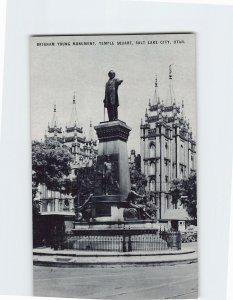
(119, 81)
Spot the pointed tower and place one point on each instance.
(155, 100)
(54, 130)
(54, 119)
(155, 105)
(73, 121)
(167, 147)
(73, 124)
(91, 146)
(90, 133)
(171, 94)
(170, 106)
(73, 135)
(182, 107)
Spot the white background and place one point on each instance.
(214, 28)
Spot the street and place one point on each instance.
(134, 282)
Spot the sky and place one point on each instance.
(58, 70)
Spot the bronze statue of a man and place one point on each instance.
(111, 101)
(108, 175)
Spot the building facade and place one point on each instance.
(84, 151)
(168, 150)
(82, 146)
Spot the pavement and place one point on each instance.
(74, 258)
(179, 281)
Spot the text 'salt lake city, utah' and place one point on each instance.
(114, 185)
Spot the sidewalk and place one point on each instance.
(74, 258)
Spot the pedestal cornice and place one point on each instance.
(112, 131)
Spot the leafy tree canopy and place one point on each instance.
(186, 190)
(83, 184)
(50, 164)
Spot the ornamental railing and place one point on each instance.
(124, 240)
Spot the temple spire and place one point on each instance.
(182, 107)
(54, 119)
(74, 116)
(171, 95)
(91, 133)
(156, 94)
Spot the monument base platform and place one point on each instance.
(105, 225)
(107, 208)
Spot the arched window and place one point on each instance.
(192, 162)
(166, 182)
(152, 185)
(182, 172)
(166, 150)
(167, 202)
(152, 169)
(182, 153)
(152, 150)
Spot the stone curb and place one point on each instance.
(104, 264)
(108, 254)
(120, 260)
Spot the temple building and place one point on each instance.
(84, 150)
(168, 151)
(83, 147)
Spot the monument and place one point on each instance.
(112, 219)
(113, 200)
(111, 101)
(113, 179)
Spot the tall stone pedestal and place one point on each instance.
(113, 178)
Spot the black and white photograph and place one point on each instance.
(114, 166)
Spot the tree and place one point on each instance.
(186, 190)
(50, 165)
(83, 184)
(175, 191)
